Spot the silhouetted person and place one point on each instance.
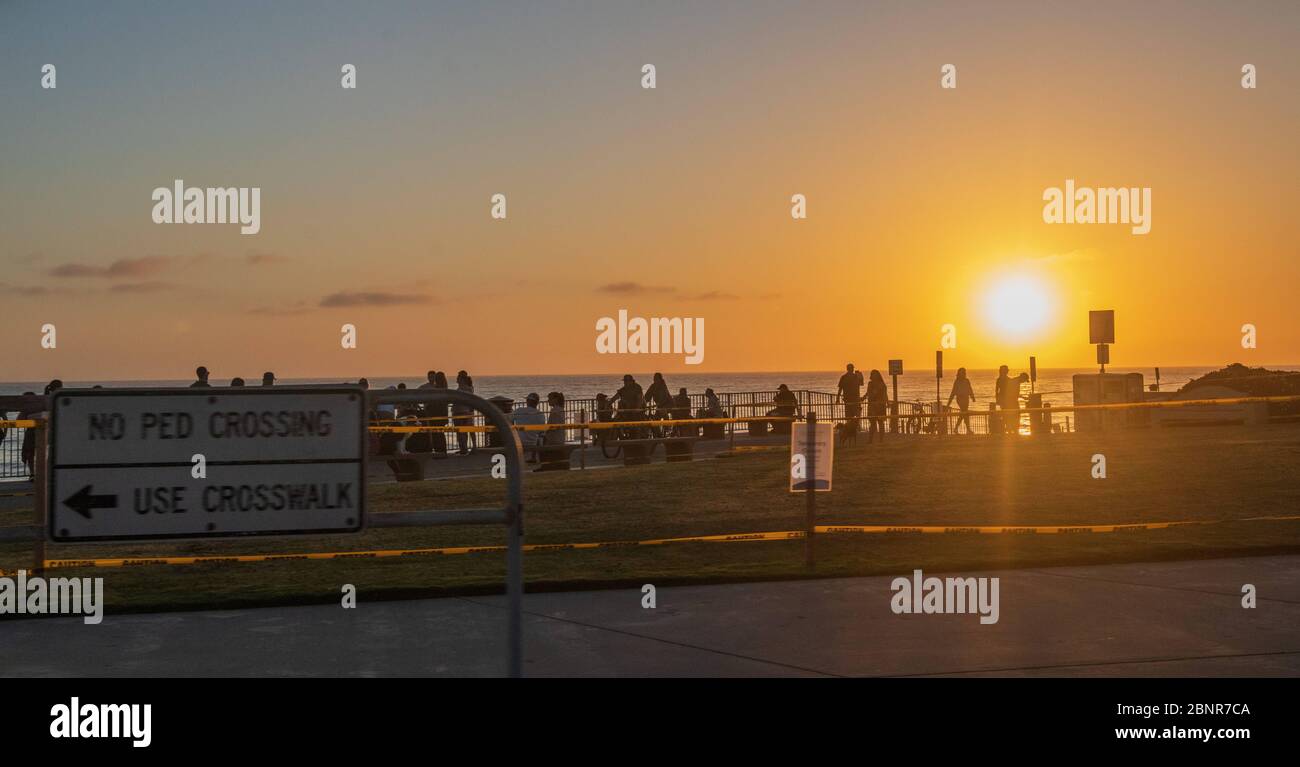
(555, 401)
(29, 435)
(787, 404)
(201, 376)
(432, 381)
(964, 393)
(681, 411)
(712, 406)
(27, 449)
(364, 384)
(236, 381)
(877, 405)
(463, 415)
(657, 395)
(1007, 394)
(681, 404)
(849, 387)
(438, 412)
(629, 401)
(604, 409)
(268, 378)
(529, 415)
(387, 410)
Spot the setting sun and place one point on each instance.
(1018, 305)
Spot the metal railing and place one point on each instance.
(903, 417)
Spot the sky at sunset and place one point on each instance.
(673, 202)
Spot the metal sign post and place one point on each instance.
(938, 397)
(811, 493)
(895, 370)
(512, 515)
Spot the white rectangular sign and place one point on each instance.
(822, 449)
(283, 460)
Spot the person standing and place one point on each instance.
(850, 387)
(1007, 393)
(877, 405)
(201, 375)
(964, 394)
(437, 411)
(555, 403)
(268, 378)
(463, 415)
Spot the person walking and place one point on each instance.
(964, 393)
(877, 405)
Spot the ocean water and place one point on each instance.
(916, 385)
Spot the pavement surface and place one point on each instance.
(1158, 619)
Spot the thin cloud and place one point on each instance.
(263, 259)
(141, 287)
(299, 307)
(714, 295)
(1058, 258)
(633, 288)
(373, 299)
(122, 268)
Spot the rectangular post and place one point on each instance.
(733, 430)
(893, 408)
(515, 592)
(811, 488)
(39, 501)
(582, 436)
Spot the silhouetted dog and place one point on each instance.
(846, 433)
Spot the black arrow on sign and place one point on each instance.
(84, 500)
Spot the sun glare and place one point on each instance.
(1018, 305)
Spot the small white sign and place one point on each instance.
(817, 448)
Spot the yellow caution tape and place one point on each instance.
(782, 535)
(388, 553)
(22, 423)
(1033, 529)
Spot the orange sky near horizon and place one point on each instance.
(670, 202)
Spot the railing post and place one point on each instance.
(733, 429)
(582, 437)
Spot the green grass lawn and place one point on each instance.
(1168, 475)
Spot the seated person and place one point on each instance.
(787, 404)
(525, 416)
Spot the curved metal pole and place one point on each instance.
(514, 511)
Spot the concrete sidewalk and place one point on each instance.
(1163, 619)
